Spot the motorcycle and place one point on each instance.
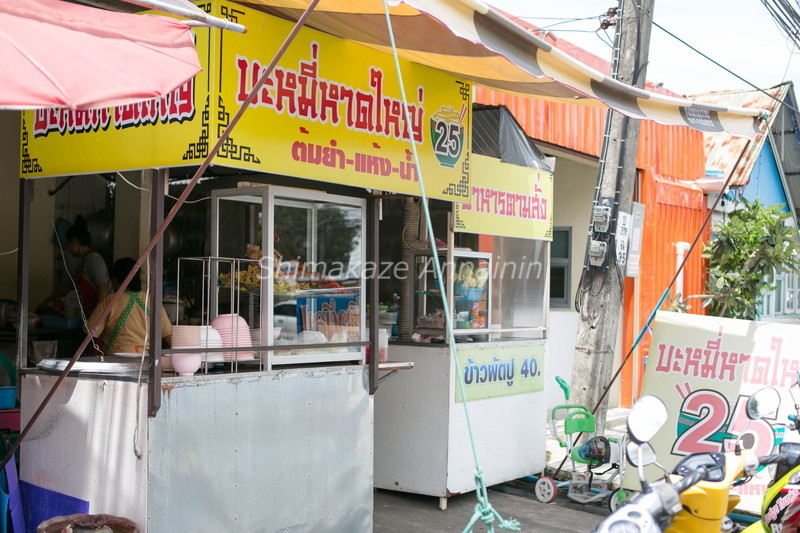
(695, 497)
(780, 506)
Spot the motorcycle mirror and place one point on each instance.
(762, 403)
(634, 451)
(646, 417)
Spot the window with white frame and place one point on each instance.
(785, 299)
(789, 295)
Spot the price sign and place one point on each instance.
(705, 369)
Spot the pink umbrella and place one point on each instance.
(57, 54)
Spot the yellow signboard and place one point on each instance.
(495, 371)
(507, 200)
(330, 111)
(162, 132)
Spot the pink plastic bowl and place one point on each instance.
(186, 364)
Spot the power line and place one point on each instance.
(547, 29)
(786, 17)
(564, 19)
(726, 69)
(607, 40)
(789, 62)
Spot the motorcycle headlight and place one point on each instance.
(623, 526)
(794, 478)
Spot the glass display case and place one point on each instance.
(235, 258)
(470, 293)
(299, 283)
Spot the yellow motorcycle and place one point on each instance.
(695, 497)
(780, 506)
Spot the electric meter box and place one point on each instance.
(597, 252)
(601, 218)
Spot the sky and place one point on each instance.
(738, 34)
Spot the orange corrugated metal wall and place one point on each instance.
(665, 224)
(669, 151)
(574, 127)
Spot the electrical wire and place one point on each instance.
(137, 450)
(418, 245)
(607, 40)
(123, 178)
(565, 31)
(789, 62)
(785, 17)
(587, 282)
(726, 69)
(301, 21)
(658, 305)
(10, 252)
(75, 287)
(564, 19)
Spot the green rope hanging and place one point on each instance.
(483, 510)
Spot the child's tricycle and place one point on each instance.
(597, 451)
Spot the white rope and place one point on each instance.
(123, 178)
(75, 288)
(137, 450)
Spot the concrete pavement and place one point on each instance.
(397, 512)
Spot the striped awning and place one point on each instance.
(470, 40)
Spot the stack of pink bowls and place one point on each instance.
(235, 333)
(184, 337)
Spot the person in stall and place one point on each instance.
(126, 326)
(91, 276)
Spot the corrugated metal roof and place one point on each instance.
(580, 129)
(786, 144)
(723, 151)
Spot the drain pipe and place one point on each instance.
(680, 252)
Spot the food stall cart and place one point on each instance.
(273, 426)
(496, 258)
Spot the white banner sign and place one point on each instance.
(704, 369)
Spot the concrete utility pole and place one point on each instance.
(600, 290)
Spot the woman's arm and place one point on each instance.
(102, 291)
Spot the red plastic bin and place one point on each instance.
(9, 419)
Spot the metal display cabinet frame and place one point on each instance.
(268, 197)
(426, 288)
